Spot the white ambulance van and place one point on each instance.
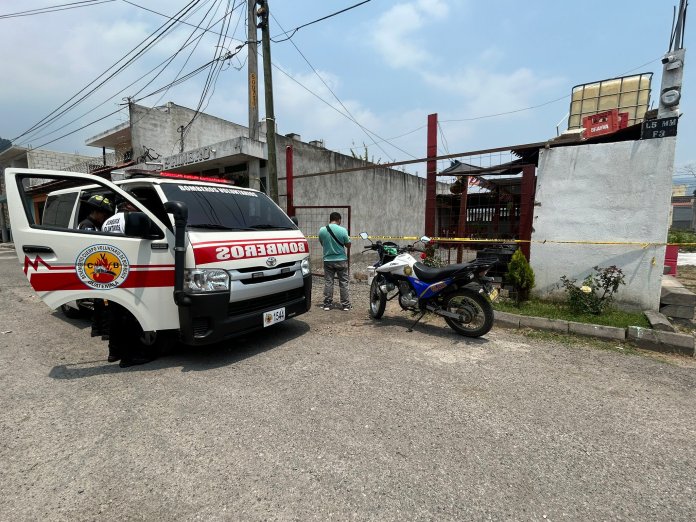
(207, 260)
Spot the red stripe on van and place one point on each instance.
(234, 251)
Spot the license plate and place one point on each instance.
(273, 317)
(493, 294)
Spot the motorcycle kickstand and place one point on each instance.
(410, 328)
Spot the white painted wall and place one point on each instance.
(613, 192)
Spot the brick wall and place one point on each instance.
(46, 159)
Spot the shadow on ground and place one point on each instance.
(430, 326)
(194, 358)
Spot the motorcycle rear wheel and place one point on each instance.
(476, 310)
(378, 301)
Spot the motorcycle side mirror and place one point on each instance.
(364, 235)
(425, 239)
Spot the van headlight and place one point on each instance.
(306, 268)
(198, 280)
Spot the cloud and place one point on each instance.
(481, 91)
(395, 33)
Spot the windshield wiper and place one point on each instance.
(216, 226)
(270, 227)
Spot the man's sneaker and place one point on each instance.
(346, 307)
(327, 307)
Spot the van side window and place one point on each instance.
(58, 210)
(148, 197)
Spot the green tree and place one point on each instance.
(5, 144)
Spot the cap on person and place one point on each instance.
(101, 203)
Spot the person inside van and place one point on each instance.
(100, 209)
(117, 222)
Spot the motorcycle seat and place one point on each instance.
(429, 274)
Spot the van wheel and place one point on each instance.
(70, 312)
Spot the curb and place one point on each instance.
(647, 338)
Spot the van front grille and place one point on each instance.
(255, 280)
(266, 302)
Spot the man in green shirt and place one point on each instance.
(334, 239)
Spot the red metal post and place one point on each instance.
(289, 181)
(463, 209)
(527, 192)
(431, 181)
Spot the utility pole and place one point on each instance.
(253, 165)
(673, 67)
(272, 167)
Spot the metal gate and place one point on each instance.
(311, 218)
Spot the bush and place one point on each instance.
(596, 293)
(682, 236)
(521, 276)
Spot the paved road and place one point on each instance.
(332, 416)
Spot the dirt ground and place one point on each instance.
(687, 276)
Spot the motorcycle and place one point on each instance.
(461, 293)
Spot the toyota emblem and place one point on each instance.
(271, 261)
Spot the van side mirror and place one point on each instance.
(295, 220)
(139, 225)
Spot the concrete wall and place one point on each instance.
(156, 129)
(614, 192)
(384, 201)
(47, 159)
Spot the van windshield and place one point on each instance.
(228, 208)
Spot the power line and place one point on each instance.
(52, 116)
(167, 16)
(167, 61)
(177, 82)
(76, 130)
(215, 69)
(315, 21)
(350, 115)
(509, 112)
(54, 8)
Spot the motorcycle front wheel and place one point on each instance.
(476, 312)
(378, 301)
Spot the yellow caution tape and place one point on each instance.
(642, 244)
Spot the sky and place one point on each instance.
(364, 80)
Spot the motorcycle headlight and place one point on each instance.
(199, 280)
(306, 268)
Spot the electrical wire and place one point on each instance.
(55, 8)
(315, 21)
(189, 75)
(350, 116)
(214, 71)
(541, 104)
(52, 116)
(444, 140)
(167, 16)
(168, 60)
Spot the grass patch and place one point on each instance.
(552, 310)
(575, 340)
